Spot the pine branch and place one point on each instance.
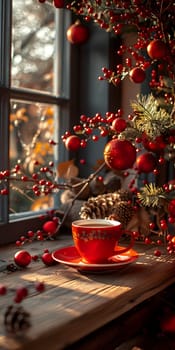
(152, 196)
(149, 117)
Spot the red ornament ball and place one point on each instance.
(119, 154)
(146, 162)
(47, 259)
(77, 33)
(50, 226)
(22, 258)
(58, 3)
(119, 125)
(137, 75)
(73, 143)
(171, 208)
(157, 49)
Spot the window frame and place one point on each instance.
(11, 230)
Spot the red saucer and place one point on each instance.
(70, 256)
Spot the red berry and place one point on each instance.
(4, 191)
(77, 33)
(119, 125)
(22, 258)
(163, 225)
(35, 257)
(72, 143)
(22, 292)
(137, 75)
(3, 289)
(47, 259)
(157, 49)
(50, 226)
(18, 298)
(152, 225)
(147, 240)
(157, 252)
(40, 287)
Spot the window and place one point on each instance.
(34, 100)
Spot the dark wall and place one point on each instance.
(89, 95)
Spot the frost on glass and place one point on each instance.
(33, 36)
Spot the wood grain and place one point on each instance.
(74, 304)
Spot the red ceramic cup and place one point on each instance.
(96, 239)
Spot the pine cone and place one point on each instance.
(16, 319)
(125, 195)
(100, 207)
(123, 212)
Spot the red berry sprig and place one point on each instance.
(22, 292)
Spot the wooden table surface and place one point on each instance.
(73, 304)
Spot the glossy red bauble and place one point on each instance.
(22, 258)
(119, 125)
(137, 75)
(73, 143)
(50, 226)
(119, 154)
(157, 49)
(47, 259)
(77, 33)
(58, 3)
(146, 162)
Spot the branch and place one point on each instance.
(86, 183)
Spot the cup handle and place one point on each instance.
(124, 250)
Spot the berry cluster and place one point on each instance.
(41, 182)
(23, 258)
(48, 231)
(148, 135)
(153, 23)
(22, 292)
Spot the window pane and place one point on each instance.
(31, 154)
(33, 47)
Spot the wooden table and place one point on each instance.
(74, 305)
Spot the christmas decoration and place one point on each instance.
(58, 3)
(137, 75)
(72, 143)
(16, 319)
(47, 259)
(50, 227)
(146, 162)
(157, 49)
(117, 206)
(116, 154)
(138, 144)
(77, 33)
(22, 258)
